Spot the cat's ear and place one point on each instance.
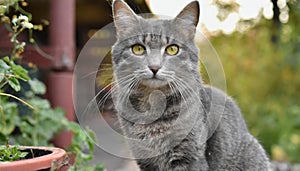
(123, 16)
(190, 13)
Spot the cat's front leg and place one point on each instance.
(254, 157)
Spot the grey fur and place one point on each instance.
(196, 127)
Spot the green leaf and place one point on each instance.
(14, 83)
(91, 139)
(74, 127)
(40, 103)
(23, 154)
(3, 69)
(86, 157)
(19, 71)
(8, 129)
(91, 134)
(99, 167)
(3, 65)
(6, 59)
(2, 73)
(37, 86)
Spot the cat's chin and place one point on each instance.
(154, 83)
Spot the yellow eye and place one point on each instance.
(172, 50)
(138, 49)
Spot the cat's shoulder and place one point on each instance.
(212, 95)
(215, 95)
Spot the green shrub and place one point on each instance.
(264, 79)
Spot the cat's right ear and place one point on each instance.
(123, 16)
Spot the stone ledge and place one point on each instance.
(282, 166)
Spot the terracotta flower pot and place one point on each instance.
(38, 158)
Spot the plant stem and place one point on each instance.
(3, 84)
(27, 104)
(11, 75)
(2, 117)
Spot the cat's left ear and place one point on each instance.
(189, 16)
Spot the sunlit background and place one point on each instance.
(228, 19)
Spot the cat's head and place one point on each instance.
(155, 52)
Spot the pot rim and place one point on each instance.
(37, 163)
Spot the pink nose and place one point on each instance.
(154, 69)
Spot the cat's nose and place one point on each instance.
(154, 69)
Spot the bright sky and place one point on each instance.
(249, 9)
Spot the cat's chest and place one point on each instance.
(143, 101)
(161, 123)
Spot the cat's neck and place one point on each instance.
(147, 90)
(141, 96)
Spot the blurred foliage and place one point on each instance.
(82, 139)
(25, 117)
(264, 78)
(225, 8)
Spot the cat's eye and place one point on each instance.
(172, 50)
(138, 49)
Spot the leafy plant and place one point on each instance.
(25, 117)
(82, 139)
(9, 154)
(13, 78)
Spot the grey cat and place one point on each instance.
(173, 121)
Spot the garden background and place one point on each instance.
(260, 57)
